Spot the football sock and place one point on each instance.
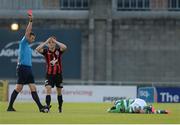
(13, 97)
(36, 99)
(161, 112)
(60, 100)
(48, 99)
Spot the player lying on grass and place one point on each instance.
(134, 106)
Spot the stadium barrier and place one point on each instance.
(105, 91)
(168, 94)
(159, 94)
(3, 90)
(149, 94)
(81, 93)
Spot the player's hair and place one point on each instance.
(32, 34)
(53, 37)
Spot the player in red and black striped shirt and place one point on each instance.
(53, 57)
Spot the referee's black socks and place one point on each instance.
(13, 97)
(36, 99)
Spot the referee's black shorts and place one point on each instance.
(25, 75)
(54, 80)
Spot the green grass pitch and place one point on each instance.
(85, 113)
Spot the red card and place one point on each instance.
(29, 12)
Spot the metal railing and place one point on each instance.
(174, 5)
(74, 4)
(142, 5)
(44, 4)
(85, 82)
(133, 5)
(21, 4)
(122, 5)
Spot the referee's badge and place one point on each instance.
(57, 53)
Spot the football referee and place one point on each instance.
(24, 69)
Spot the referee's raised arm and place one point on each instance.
(29, 27)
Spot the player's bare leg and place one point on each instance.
(59, 98)
(14, 94)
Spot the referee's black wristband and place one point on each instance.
(30, 20)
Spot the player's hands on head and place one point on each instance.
(48, 40)
(53, 37)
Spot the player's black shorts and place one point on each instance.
(54, 80)
(25, 75)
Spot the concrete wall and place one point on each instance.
(146, 50)
(132, 48)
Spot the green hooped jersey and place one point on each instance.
(122, 106)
